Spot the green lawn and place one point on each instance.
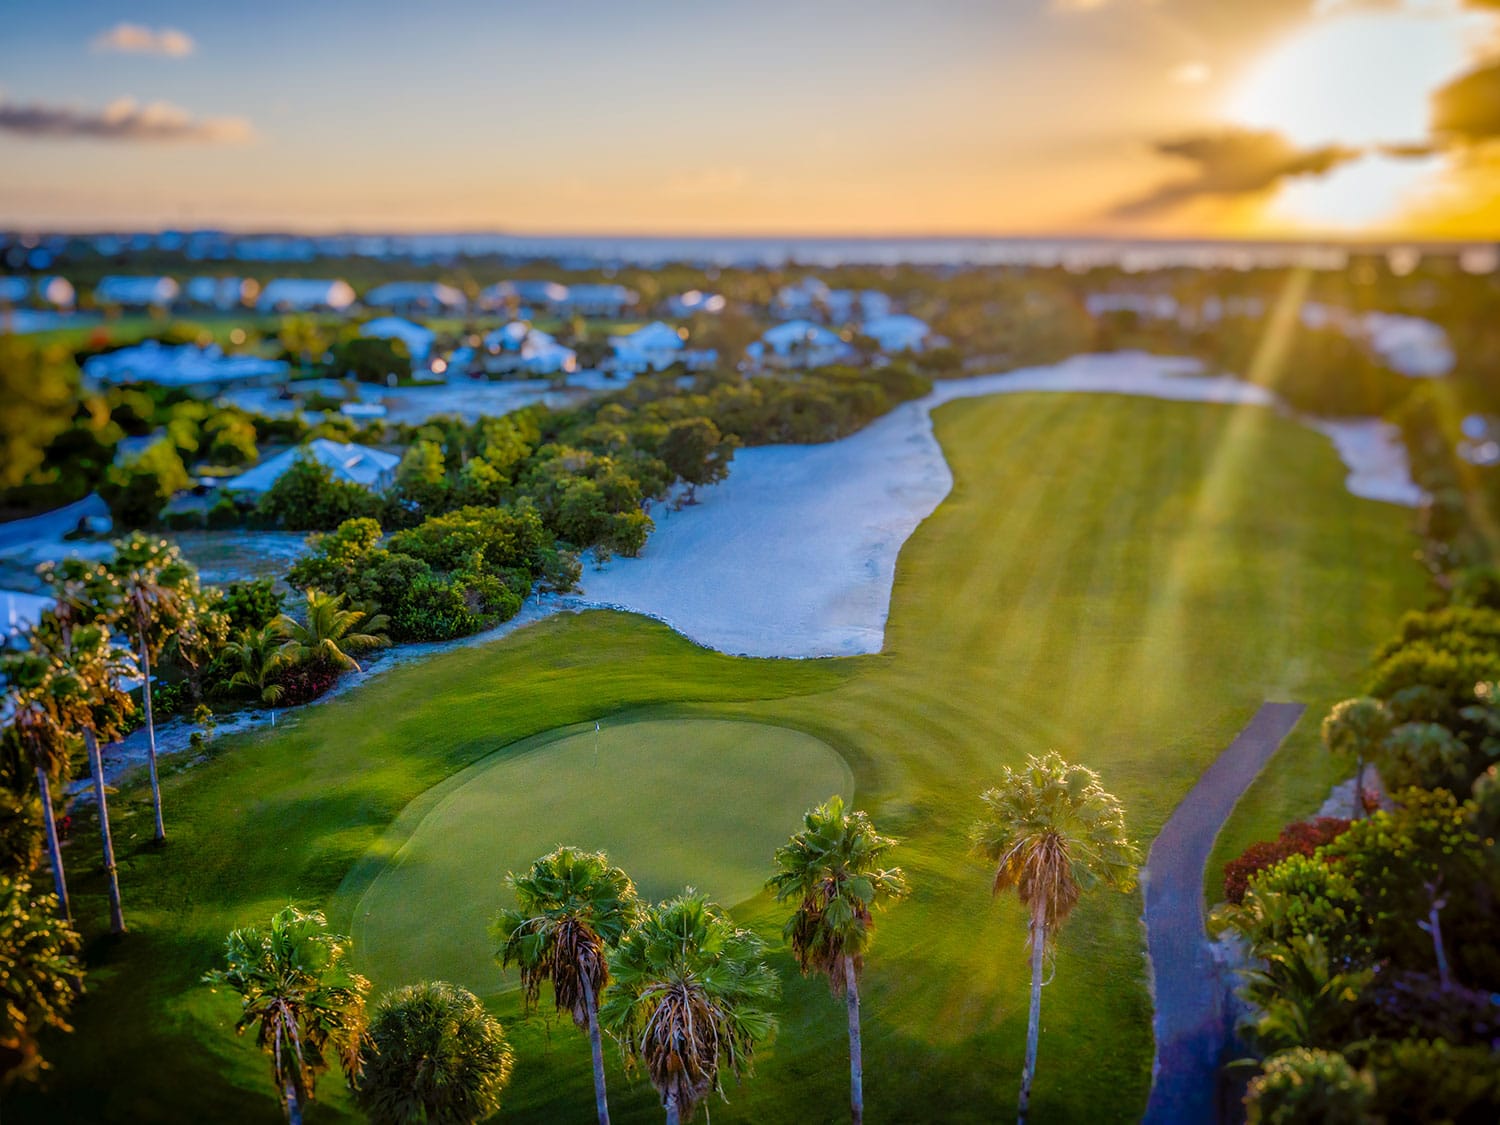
(437, 873)
(1120, 579)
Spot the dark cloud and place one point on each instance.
(1468, 108)
(1232, 162)
(123, 120)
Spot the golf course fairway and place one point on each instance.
(619, 789)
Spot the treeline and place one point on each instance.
(1375, 973)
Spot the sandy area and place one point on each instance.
(835, 516)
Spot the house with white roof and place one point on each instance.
(655, 347)
(695, 301)
(1416, 348)
(548, 296)
(56, 291)
(20, 612)
(14, 290)
(418, 340)
(799, 344)
(200, 371)
(220, 292)
(609, 301)
(369, 468)
(811, 299)
(519, 347)
(898, 333)
(136, 292)
(305, 294)
(416, 296)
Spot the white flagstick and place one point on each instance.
(596, 743)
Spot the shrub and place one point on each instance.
(251, 605)
(1431, 1080)
(307, 498)
(1301, 838)
(1303, 1085)
(305, 682)
(138, 490)
(1303, 896)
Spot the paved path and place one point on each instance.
(1192, 1019)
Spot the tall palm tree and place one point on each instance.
(257, 655)
(437, 1058)
(300, 996)
(93, 702)
(571, 908)
(1358, 729)
(690, 1000)
(35, 721)
(331, 632)
(832, 870)
(1052, 832)
(157, 597)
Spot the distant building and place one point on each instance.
(418, 340)
(799, 344)
(416, 296)
(202, 371)
(518, 347)
(607, 301)
(654, 347)
(369, 468)
(14, 290)
(303, 294)
(136, 292)
(695, 301)
(811, 299)
(220, 292)
(512, 296)
(898, 333)
(56, 291)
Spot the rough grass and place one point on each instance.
(1119, 579)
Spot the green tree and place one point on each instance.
(257, 657)
(296, 990)
(1304, 1085)
(1052, 832)
(421, 476)
(690, 999)
(697, 453)
(1356, 728)
(39, 387)
(137, 491)
(39, 977)
(159, 598)
(331, 633)
(1425, 755)
(572, 907)
(833, 870)
(307, 498)
(1300, 998)
(437, 1058)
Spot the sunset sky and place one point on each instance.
(1161, 117)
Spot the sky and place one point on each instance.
(1192, 118)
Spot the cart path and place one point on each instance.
(1192, 1022)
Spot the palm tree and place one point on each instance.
(438, 1058)
(259, 657)
(34, 718)
(689, 1000)
(571, 907)
(832, 869)
(157, 588)
(1357, 728)
(1052, 832)
(303, 1001)
(331, 633)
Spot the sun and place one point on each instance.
(1356, 79)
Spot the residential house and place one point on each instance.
(518, 347)
(305, 294)
(369, 468)
(695, 301)
(606, 301)
(799, 344)
(220, 292)
(418, 340)
(416, 296)
(136, 292)
(201, 371)
(898, 333)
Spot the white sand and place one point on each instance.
(795, 553)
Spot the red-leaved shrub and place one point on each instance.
(303, 683)
(1302, 837)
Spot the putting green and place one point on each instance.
(674, 802)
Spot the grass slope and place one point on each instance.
(1123, 580)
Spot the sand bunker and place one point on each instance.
(795, 553)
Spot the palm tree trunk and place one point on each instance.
(96, 762)
(293, 1106)
(1034, 1021)
(601, 1101)
(161, 830)
(54, 849)
(856, 1045)
(1359, 787)
(673, 1116)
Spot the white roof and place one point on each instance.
(55, 291)
(898, 332)
(306, 293)
(14, 289)
(153, 362)
(531, 292)
(599, 294)
(215, 290)
(120, 290)
(19, 611)
(359, 464)
(804, 333)
(432, 293)
(695, 300)
(510, 337)
(418, 340)
(654, 337)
